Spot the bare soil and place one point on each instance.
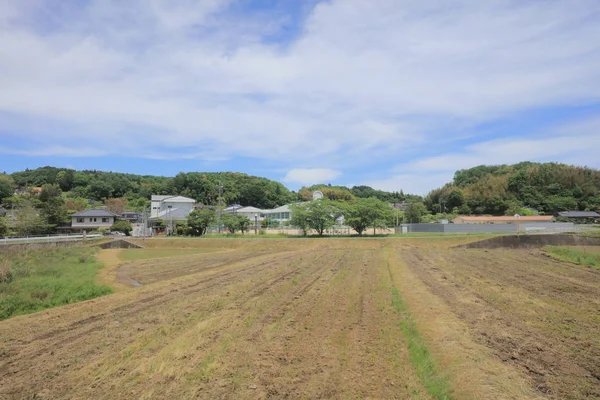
(283, 319)
(538, 314)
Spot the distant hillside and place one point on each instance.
(506, 189)
(238, 188)
(201, 186)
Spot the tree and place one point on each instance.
(6, 189)
(28, 221)
(99, 190)
(414, 212)
(55, 212)
(235, 223)
(4, 227)
(116, 206)
(122, 225)
(65, 179)
(364, 213)
(318, 215)
(49, 192)
(199, 220)
(300, 217)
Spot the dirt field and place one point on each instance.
(303, 318)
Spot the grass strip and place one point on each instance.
(33, 278)
(573, 255)
(419, 355)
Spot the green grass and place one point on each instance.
(573, 255)
(33, 278)
(144, 254)
(419, 355)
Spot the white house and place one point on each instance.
(255, 214)
(92, 220)
(174, 208)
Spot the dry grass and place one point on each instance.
(281, 319)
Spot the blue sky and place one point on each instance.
(392, 94)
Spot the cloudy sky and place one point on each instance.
(396, 94)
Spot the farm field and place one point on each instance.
(309, 318)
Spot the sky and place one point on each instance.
(395, 94)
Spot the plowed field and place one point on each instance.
(303, 318)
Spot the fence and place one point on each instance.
(46, 239)
(544, 227)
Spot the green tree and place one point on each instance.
(414, 212)
(55, 212)
(49, 192)
(300, 217)
(122, 225)
(200, 220)
(4, 227)
(6, 189)
(28, 221)
(363, 213)
(319, 215)
(235, 223)
(65, 179)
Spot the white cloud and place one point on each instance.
(363, 81)
(572, 143)
(309, 176)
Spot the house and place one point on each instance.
(132, 216)
(400, 206)
(580, 216)
(463, 219)
(174, 208)
(89, 220)
(253, 213)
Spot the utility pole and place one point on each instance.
(255, 225)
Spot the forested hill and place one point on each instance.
(507, 189)
(201, 186)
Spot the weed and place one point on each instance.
(573, 255)
(419, 355)
(34, 278)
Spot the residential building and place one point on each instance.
(253, 213)
(502, 220)
(132, 216)
(175, 208)
(91, 220)
(580, 216)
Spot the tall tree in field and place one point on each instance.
(199, 220)
(363, 213)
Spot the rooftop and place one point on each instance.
(579, 214)
(95, 213)
(508, 218)
(172, 199)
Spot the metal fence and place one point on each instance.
(46, 239)
(544, 227)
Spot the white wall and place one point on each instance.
(89, 221)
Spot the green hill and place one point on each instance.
(506, 189)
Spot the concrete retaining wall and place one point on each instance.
(532, 241)
(119, 244)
